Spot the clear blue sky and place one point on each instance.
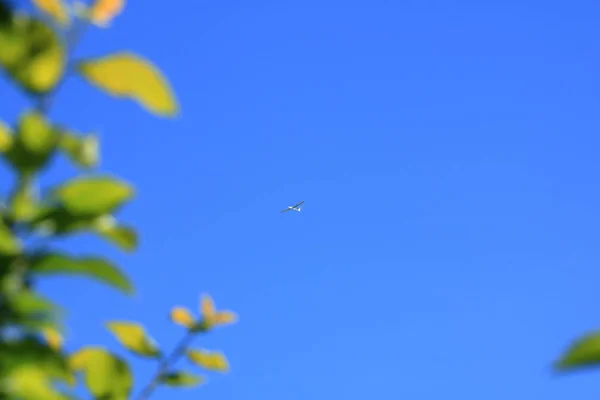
(448, 155)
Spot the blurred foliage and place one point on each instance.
(36, 55)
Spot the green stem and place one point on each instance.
(164, 366)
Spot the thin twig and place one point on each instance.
(165, 365)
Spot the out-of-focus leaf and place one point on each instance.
(582, 353)
(93, 196)
(211, 317)
(31, 383)
(181, 379)
(33, 144)
(55, 9)
(53, 338)
(106, 375)
(91, 267)
(104, 11)
(9, 245)
(56, 220)
(134, 338)
(211, 360)
(81, 150)
(32, 53)
(123, 236)
(6, 138)
(30, 352)
(130, 76)
(5, 12)
(182, 316)
(24, 201)
(30, 303)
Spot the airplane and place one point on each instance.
(295, 207)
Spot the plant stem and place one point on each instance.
(165, 365)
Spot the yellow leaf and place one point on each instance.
(224, 318)
(207, 306)
(211, 316)
(182, 316)
(53, 338)
(134, 337)
(214, 361)
(126, 75)
(55, 9)
(103, 11)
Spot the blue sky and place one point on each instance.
(447, 153)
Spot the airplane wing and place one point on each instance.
(286, 210)
(299, 204)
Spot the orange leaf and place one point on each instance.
(103, 11)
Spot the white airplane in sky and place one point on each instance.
(295, 207)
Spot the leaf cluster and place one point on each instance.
(37, 57)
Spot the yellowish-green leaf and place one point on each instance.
(9, 245)
(6, 138)
(36, 134)
(24, 202)
(33, 144)
(31, 383)
(91, 267)
(28, 303)
(53, 338)
(93, 195)
(582, 353)
(210, 360)
(182, 379)
(29, 352)
(123, 236)
(55, 9)
(81, 150)
(32, 54)
(106, 375)
(134, 338)
(127, 75)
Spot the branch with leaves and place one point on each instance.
(38, 56)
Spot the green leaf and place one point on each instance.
(27, 352)
(95, 268)
(93, 196)
(210, 360)
(127, 75)
(32, 54)
(583, 353)
(58, 221)
(106, 375)
(81, 150)
(28, 303)
(9, 245)
(134, 338)
(123, 236)
(33, 144)
(181, 379)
